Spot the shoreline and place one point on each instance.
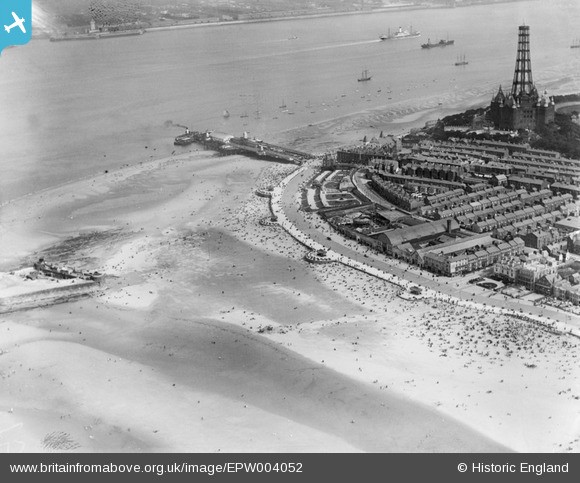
(158, 267)
(430, 294)
(346, 329)
(393, 8)
(294, 17)
(275, 19)
(250, 346)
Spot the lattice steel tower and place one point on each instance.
(523, 107)
(523, 83)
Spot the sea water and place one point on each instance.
(74, 109)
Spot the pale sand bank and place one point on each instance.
(347, 365)
(467, 364)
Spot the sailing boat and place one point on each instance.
(461, 60)
(365, 76)
(575, 44)
(283, 105)
(257, 112)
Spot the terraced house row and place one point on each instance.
(466, 207)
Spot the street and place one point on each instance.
(319, 231)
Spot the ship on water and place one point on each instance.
(441, 43)
(401, 34)
(461, 60)
(365, 76)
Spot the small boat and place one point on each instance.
(461, 60)
(365, 76)
(226, 114)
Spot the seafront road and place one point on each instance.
(322, 234)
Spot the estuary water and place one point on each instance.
(73, 109)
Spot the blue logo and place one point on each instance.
(15, 22)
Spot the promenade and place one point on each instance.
(312, 232)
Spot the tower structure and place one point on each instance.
(523, 83)
(523, 107)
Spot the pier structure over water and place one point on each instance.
(227, 144)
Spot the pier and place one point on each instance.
(227, 144)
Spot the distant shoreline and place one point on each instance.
(292, 17)
(394, 8)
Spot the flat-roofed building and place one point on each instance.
(416, 234)
(466, 255)
(569, 224)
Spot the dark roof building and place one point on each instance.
(417, 233)
(523, 107)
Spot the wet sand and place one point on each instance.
(212, 333)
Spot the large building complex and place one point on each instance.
(523, 107)
(463, 205)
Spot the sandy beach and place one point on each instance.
(212, 333)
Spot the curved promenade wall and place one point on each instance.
(284, 222)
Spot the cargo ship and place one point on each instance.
(400, 34)
(441, 43)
